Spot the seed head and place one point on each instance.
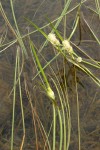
(52, 38)
(67, 46)
(79, 59)
(50, 93)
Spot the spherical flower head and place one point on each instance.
(50, 93)
(52, 38)
(79, 59)
(67, 46)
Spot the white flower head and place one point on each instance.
(79, 59)
(50, 93)
(67, 46)
(52, 38)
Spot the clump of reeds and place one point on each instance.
(64, 47)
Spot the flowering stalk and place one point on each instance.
(65, 45)
(48, 89)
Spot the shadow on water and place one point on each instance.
(36, 104)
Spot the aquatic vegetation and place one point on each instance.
(51, 84)
(67, 46)
(52, 38)
(79, 59)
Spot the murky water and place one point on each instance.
(89, 93)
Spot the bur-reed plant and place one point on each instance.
(66, 50)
